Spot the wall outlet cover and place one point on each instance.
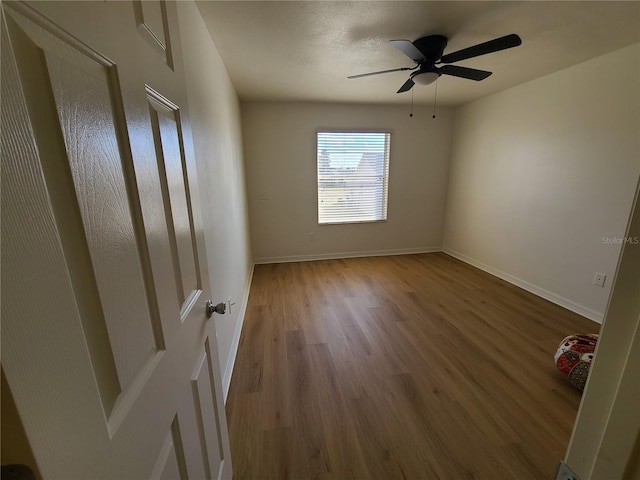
(565, 473)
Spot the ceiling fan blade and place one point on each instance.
(409, 49)
(408, 85)
(464, 72)
(495, 45)
(381, 71)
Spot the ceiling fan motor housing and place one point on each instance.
(432, 47)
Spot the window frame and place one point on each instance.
(385, 180)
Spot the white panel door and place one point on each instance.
(105, 341)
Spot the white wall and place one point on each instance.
(542, 172)
(215, 123)
(280, 156)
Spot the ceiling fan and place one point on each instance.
(427, 52)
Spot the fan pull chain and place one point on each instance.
(411, 112)
(435, 96)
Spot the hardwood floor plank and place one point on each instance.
(251, 343)
(376, 442)
(343, 447)
(275, 409)
(242, 413)
(346, 331)
(279, 456)
(434, 434)
(308, 428)
(409, 367)
(390, 347)
(314, 324)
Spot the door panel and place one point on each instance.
(165, 121)
(206, 413)
(151, 17)
(82, 95)
(49, 144)
(171, 462)
(81, 92)
(32, 261)
(104, 267)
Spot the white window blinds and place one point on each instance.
(353, 174)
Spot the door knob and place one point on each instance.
(219, 308)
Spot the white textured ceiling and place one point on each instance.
(304, 50)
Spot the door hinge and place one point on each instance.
(565, 473)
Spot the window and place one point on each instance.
(353, 173)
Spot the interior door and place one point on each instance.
(105, 341)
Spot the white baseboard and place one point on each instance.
(338, 255)
(233, 353)
(539, 291)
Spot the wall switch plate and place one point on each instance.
(565, 473)
(599, 279)
(229, 302)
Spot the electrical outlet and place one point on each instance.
(565, 473)
(311, 236)
(599, 279)
(264, 196)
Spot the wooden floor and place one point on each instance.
(409, 367)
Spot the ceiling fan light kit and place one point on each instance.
(425, 78)
(427, 53)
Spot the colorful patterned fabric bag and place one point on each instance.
(574, 355)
